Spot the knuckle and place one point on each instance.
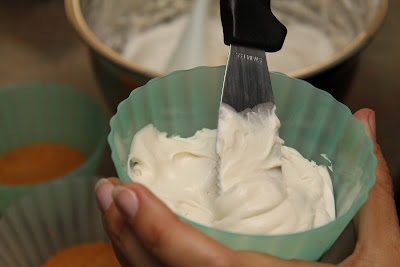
(116, 235)
(224, 262)
(114, 226)
(220, 261)
(376, 149)
(237, 258)
(156, 236)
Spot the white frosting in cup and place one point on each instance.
(249, 183)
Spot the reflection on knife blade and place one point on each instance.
(247, 82)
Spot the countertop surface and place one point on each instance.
(38, 44)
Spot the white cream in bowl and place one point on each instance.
(249, 183)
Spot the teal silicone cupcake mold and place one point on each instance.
(51, 217)
(45, 113)
(313, 122)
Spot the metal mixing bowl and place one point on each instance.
(118, 76)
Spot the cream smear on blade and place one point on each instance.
(264, 186)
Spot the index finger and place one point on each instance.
(163, 234)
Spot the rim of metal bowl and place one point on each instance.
(75, 16)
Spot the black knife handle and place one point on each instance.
(251, 23)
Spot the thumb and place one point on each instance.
(162, 233)
(376, 222)
(383, 179)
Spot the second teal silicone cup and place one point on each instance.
(50, 113)
(51, 217)
(313, 122)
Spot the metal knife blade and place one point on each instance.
(251, 29)
(247, 82)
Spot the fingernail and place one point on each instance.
(103, 190)
(372, 124)
(126, 201)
